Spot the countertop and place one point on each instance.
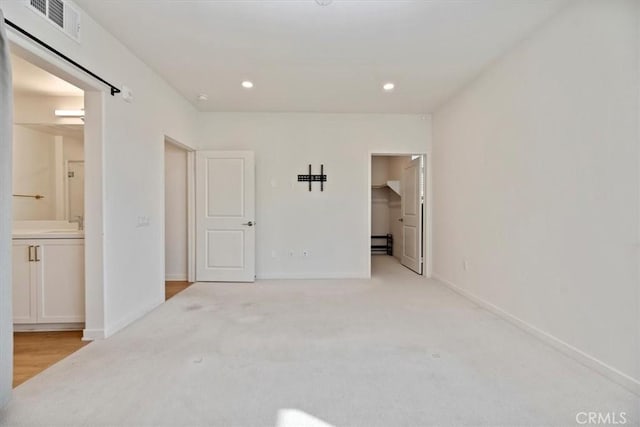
(48, 234)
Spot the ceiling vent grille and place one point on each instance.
(60, 13)
(40, 6)
(56, 12)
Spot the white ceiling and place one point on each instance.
(306, 57)
(31, 80)
(74, 131)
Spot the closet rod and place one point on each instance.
(114, 89)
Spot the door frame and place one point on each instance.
(95, 125)
(427, 234)
(196, 199)
(191, 206)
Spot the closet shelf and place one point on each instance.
(393, 185)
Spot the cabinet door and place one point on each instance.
(60, 272)
(24, 289)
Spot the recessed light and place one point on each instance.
(203, 97)
(388, 87)
(247, 84)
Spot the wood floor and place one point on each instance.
(33, 352)
(172, 288)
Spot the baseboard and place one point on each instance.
(599, 366)
(93, 334)
(48, 327)
(180, 277)
(127, 320)
(310, 276)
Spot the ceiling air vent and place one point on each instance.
(40, 6)
(60, 13)
(56, 12)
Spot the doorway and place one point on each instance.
(48, 250)
(397, 210)
(178, 190)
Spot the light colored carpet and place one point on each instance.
(396, 350)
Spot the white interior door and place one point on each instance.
(412, 216)
(225, 216)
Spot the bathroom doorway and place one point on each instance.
(48, 251)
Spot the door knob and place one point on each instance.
(400, 219)
(250, 223)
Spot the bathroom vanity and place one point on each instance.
(48, 279)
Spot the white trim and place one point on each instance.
(637, 245)
(37, 55)
(191, 223)
(191, 216)
(93, 334)
(589, 361)
(428, 215)
(47, 327)
(427, 234)
(129, 319)
(95, 274)
(309, 276)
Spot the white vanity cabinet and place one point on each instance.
(48, 281)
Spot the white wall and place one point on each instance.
(536, 184)
(33, 173)
(130, 280)
(6, 143)
(333, 225)
(73, 148)
(379, 170)
(175, 240)
(36, 109)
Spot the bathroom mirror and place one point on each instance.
(48, 172)
(48, 147)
